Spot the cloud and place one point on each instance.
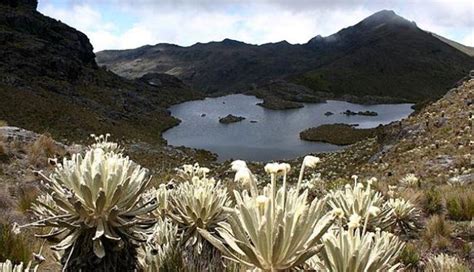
(118, 24)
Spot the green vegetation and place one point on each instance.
(339, 134)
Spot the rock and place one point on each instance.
(328, 113)
(231, 119)
(253, 121)
(203, 115)
(349, 113)
(368, 113)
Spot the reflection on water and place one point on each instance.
(275, 135)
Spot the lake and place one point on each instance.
(275, 135)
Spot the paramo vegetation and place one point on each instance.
(99, 211)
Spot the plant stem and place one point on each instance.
(298, 185)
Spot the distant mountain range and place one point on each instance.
(49, 81)
(383, 57)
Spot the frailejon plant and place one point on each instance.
(273, 230)
(103, 143)
(361, 201)
(199, 202)
(444, 262)
(161, 244)
(358, 250)
(8, 266)
(405, 215)
(96, 211)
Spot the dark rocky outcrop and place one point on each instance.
(50, 81)
(275, 103)
(231, 119)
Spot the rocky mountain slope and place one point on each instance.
(383, 56)
(49, 81)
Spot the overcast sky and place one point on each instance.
(121, 24)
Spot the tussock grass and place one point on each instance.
(460, 204)
(432, 201)
(26, 197)
(13, 247)
(438, 232)
(43, 148)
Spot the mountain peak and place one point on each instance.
(385, 17)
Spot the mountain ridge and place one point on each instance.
(383, 43)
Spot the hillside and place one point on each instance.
(50, 81)
(425, 159)
(383, 58)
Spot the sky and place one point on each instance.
(123, 24)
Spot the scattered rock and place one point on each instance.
(328, 113)
(253, 121)
(231, 119)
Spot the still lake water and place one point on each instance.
(275, 136)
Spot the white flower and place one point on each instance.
(272, 168)
(285, 167)
(261, 200)
(374, 210)
(354, 177)
(338, 213)
(311, 161)
(16, 228)
(372, 180)
(238, 164)
(354, 221)
(243, 176)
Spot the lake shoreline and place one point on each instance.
(254, 140)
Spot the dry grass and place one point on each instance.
(438, 232)
(3, 123)
(3, 152)
(460, 203)
(432, 201)
(42, 149)
(26, 196)
(13, 247)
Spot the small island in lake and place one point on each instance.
(364, 113)
(338, 134)
(275, 103)
(231, 119)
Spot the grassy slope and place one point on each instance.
(49, 81)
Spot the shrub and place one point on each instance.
(443, 262)
(8, 266)
(200, 202)
(272, 230)
(410, 180)
(438, 232)
(409, 256)
(3, 123)
(405, 215)
(356, 250)
(433, 201)
(460, 204)
(359, 200)
(160, 247)
(13, 247)
(95, 205)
